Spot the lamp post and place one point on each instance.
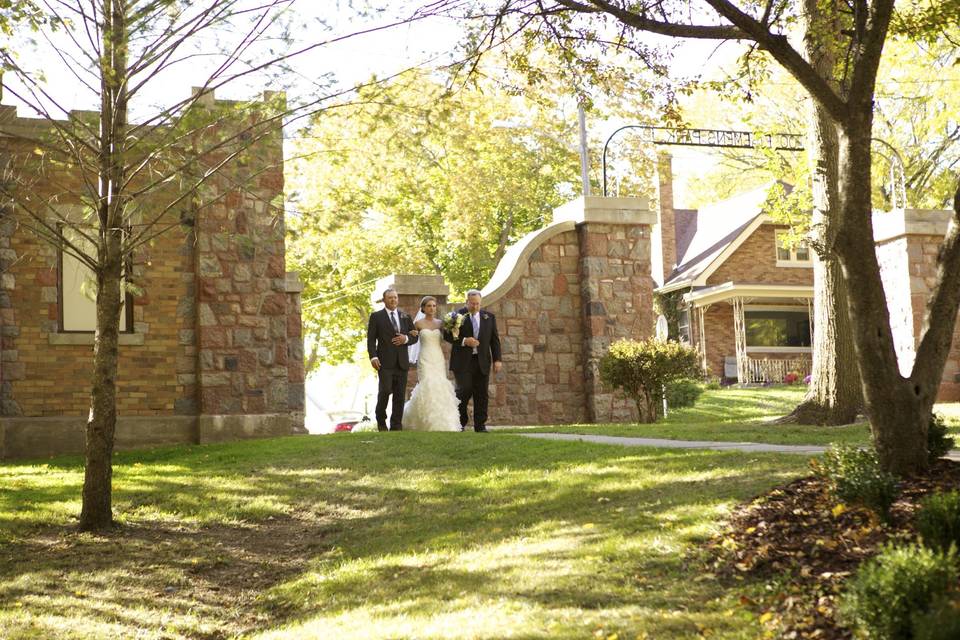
(581, 149)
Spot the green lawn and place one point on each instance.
(742, 415)
(382, 535)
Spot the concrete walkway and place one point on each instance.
(691, 444)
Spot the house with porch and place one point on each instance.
(744, 293)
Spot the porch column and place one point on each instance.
(740, 341)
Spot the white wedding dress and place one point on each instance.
(433, 405)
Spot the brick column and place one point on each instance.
(616, 288)
(664, 232)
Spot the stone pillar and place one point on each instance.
(664, 240)
(296, 374)
(908, 244)
(616, 288)
(411, 289)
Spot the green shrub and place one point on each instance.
(714, 384)
(855, 476)
(889, 590)
(942, 622)
(938, 520)
(938, 442)
(683, 393)
(641, 368)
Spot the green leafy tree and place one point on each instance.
(418, 177)
(643, 368)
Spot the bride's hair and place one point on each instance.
(424, 300)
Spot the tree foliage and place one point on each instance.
(419, 177)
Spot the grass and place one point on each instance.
(381, 535)
(742, 415)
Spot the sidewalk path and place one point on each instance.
(691, 444)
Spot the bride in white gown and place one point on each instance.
(433, 405)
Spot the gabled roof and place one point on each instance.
(708, 236)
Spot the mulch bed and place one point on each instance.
(798, 539)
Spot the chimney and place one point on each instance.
(664, 234)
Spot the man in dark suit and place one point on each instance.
(389, 333)
(476, 350)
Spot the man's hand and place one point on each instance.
(399, 340)
(375, 363)
(497, 366)
(471, 342)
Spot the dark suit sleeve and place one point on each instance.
(494, 339)
(408, 322)
(372, 337)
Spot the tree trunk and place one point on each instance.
(899, 411)
(96, 511)
(646, 407)
(835, 396)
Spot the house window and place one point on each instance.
(777, 329)
(78, 290)
(790, 253)
(683, 326)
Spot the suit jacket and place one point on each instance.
(380, 333)
(489, 349)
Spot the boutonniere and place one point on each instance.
(484, 316)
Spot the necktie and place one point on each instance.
(393, 321)
(476, 325)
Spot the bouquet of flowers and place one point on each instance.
(451, 324)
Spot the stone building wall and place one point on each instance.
(216, 349)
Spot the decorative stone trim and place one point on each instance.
(126, 339)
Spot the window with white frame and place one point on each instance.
(791, 253)
(78, 289)
(683, 325)
(775, 328)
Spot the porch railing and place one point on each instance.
(776, 369)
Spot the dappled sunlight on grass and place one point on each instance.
(388, 536)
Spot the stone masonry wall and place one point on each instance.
(539, 321)
(616, 291)
(242, 334)
(755, 261)
(216, 323)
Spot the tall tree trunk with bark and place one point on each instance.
(835, 396)
(96, 512)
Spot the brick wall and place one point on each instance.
(216, 318)
(755, 261)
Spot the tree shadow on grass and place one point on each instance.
(342, 522)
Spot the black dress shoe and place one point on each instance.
(482, 430)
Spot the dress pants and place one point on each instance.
(473, 383)
(391, 382)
